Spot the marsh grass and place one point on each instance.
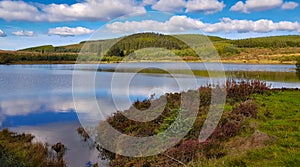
(18, 150)
(241, 109)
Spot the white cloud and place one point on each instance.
(255, 5)
(169, 5)
(206, 6)
(174, 24)
(243, 26)
(2, 33)
(19, 10)
(289, 5)
(227, 25)
(85, 10)
(149, 2)
(67, 31)
(185, 24)
(23, 33)
(93, 10)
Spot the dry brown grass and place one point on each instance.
(239, 144)
(265, 56)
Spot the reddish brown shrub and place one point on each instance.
(248, 109)
(239, 91)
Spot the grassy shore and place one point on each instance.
(18, 150)
(274, 136)
(259, 127)
(232, 61)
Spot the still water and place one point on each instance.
(38, 98)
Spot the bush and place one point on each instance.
(247, 109)
(240, 91)
(185, 152)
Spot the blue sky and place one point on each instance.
(59, 22)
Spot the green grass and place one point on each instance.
(284, 124)
(18, 150)
(279, 117)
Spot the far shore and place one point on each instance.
(228, 61)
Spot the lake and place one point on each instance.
(38, 99)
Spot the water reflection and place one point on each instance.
(78, 152)
(38, 98)
(35, 110)
(286, 77)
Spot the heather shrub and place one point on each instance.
(240, 91)
(189, 149)
(186, 151)
(248, 109)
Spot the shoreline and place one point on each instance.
(248, 62)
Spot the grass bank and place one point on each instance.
(259, 127)
(18, 150)
(274, 138)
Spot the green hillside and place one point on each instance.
(269, 42)
(146, 39)
(51, 49)
(275, 49)
(135, 40)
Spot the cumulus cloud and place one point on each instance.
(243, 26)
(206, 6)
(289, 5)
(169, 5)
(67, 31)
(19, 10)
(93, 10)
(23, 33)
(84, 10)
(185, 24)
(149, 2)
(2, 33)
(174, 24)
(255, 5)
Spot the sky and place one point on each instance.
(28, 23)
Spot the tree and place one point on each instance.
(5, 60)
(116, 52)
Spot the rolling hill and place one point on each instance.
(275, 49)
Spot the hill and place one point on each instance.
(269, 42)
(275, 49)
(135, 40)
